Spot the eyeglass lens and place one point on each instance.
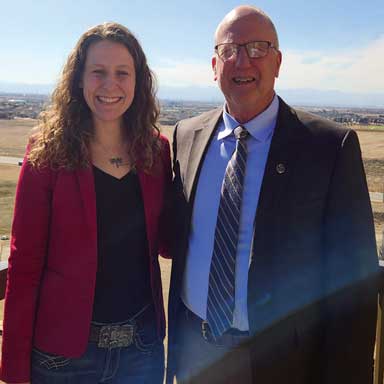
(255, 49)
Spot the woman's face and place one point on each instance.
(108, 81)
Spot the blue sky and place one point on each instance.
(326, 45)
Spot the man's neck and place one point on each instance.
(242, 114)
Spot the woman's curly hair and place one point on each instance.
(65, 127)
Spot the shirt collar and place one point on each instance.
(261, 127)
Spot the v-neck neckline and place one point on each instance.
(111, 176)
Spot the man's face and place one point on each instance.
(247, 84)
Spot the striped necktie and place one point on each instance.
(221, 290)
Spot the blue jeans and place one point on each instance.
(140, 363)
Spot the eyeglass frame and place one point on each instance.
(269, 45)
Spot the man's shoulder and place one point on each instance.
(315, 125)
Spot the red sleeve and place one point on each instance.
(28, 249)
(165, 225)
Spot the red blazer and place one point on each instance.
(53, 261)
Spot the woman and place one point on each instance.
(84, 300)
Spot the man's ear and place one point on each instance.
(279, 59)
(214, 67)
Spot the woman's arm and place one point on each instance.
(165, 225)
(29, 240)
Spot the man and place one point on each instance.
(275, 252)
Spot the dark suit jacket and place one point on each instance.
(311, 286)
(53, 261)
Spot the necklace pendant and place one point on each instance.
(116, 161)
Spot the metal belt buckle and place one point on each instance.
(116, 336)
(206, 332)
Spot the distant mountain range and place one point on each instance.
(19, 88)
(304, 97)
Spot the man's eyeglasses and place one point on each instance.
(255, 49)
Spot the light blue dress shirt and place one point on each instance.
(196, 275)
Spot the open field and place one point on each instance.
(14, 136)
(8, 179)
(367, 127)
(372, 146)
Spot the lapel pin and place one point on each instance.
(280, 168)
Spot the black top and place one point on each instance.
(122, 280)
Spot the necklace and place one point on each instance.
(116, 161)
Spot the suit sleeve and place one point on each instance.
(351, 268)
(30, 230)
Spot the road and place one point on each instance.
(10, 160)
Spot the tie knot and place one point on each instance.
(240, 133)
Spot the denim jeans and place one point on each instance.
(140, 363)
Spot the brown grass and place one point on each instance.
(8, 179)
(378, 215)
(372, 147)
(372, 144)
(14, 136)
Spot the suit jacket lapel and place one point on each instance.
(284, 148)
(200, 140)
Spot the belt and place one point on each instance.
(231, 337)
(120, 335)
(112, 336)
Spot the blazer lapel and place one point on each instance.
(147, 195)
(152, 187)
(88, 196)
(200, 140)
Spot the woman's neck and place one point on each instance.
(110, 150)
(109, 134)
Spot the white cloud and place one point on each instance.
(355, 71)
(360, 70)
(184, 73)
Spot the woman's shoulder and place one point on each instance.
(163, 139)
(165, 147)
